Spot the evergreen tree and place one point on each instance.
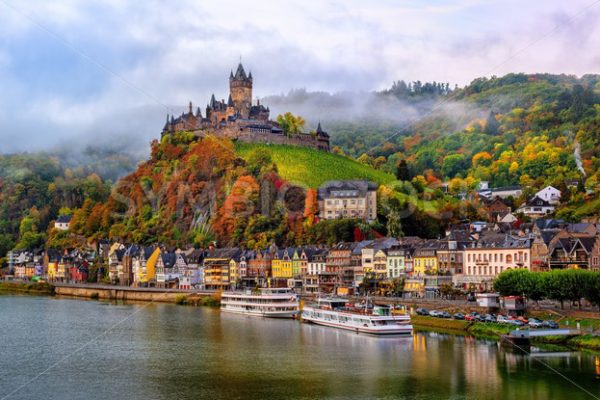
(402, 171)
(491, 124)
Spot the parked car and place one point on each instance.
(515, 322)
(535, 323)
(550, 324)
(459, 316)
(488, 318)
(434, 313)
(502, 319)
(523, 319)
(422, 311)
(472, 316)
(444, 314)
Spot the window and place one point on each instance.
(508, 258)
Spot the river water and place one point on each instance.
(52, 348)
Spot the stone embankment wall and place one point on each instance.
(120, 293)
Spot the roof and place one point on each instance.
(538, 202)
(501, 240)
(549, 223)
(506, 188)
(382, 243)
(362, 186)
(582, 227)
(168, 259)
(228, 252)
(64, 219)
(548, 234)
(240, 74)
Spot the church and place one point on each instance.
(237, 118)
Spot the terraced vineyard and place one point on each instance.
(311, 168)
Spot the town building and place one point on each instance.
(491, 254)
(348, 199)
(549, 194)
(572, 250)
(216, 268)
(536, 208)
(63, 223)
(497, 209)
(504, 192)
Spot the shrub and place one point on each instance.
(181, 299)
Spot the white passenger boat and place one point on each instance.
(266, 302)
(337, 313)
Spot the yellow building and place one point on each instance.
(219, 266)
(234, 271)
(282, 264)
(52, 269)
(425, 259)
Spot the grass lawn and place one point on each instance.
(421, 321)
(490, 330)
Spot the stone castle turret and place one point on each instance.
(240, 89)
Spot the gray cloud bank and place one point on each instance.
(88, 73)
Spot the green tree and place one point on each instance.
(454, 164)
(290, 123)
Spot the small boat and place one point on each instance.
(375, 320)
(265, 302)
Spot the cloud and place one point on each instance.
(82, 71)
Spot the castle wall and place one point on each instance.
(233, 132)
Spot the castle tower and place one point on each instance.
(240, 88)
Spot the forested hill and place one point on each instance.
(515, 129)
(531, 130)
(36, 188)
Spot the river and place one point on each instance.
(53, 348)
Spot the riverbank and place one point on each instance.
(120, 293)
(493, 331)
(34, 288)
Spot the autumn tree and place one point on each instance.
(290, 123)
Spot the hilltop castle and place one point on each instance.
(237, 118)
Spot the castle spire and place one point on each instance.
(190, 108)
(230, 101)
(319, 129)
(240, 73)
(212, 101)
(198, 113)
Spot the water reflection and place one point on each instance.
(166, 352)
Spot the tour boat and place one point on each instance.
(265, 302)
(337, 313)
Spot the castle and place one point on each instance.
(239, 119)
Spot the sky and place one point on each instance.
(107, 72)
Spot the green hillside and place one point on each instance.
(312, 167)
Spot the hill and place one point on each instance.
(531, 130)
(311, 168)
